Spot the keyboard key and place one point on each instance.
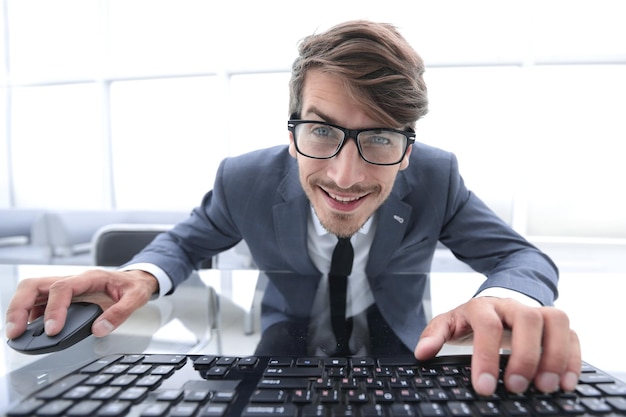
(206, 360)
(247, 361)
(223, 396)
(60, 387)
(280, 362)
(176, 360)
(612, 389)
(459, 408)
(170, 395)
(183, 410)
(114, 409)
(269, 410)
(294, 372)
(54, 408)
(134, 394)
(85, 408)
(156, 410)
(315, 362)
(131, 359)
(106, 393)
(226, 361)
(78, 393)
(596, 405)
(25, 408)
(217, 371)
(399, 410)
(163, 370)
(283, 383)
(268, 396)
(150, 381)
(373, 411)
(100, 364)
(124, 381)
(595, 378)
(213, 410)
(617, 402)
(197, 396)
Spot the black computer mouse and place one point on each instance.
(35, 341)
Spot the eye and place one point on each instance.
(321, 130)
(379, 140)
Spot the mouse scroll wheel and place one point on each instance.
(38, 331)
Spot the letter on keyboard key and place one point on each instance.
(372, 411)
(459, 408)
(269, 410)
(213, 410)
(402, 410)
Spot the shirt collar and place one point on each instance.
(321, 231)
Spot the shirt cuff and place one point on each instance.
(165, 283)
(500, 292)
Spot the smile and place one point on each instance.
(344, 200)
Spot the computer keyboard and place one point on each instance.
(213, 386)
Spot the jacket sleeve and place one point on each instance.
(208, 231)
(478, 237)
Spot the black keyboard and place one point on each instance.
(214, 386)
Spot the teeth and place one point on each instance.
(343, 199)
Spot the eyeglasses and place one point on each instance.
(321, 140)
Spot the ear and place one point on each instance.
(292, 145)
(405, 161)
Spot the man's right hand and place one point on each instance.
(118, 293)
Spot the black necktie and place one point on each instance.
(340, 268)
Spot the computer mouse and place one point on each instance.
(35, 341)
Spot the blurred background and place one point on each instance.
(131, 104)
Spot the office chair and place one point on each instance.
(116, 244)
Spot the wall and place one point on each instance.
(132, 104)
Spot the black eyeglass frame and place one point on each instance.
(351, 133)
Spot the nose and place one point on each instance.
(347, 168)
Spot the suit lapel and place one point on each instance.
(393, 218)
(290, 220)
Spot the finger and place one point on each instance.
(557, 350)
(569, 380)
(526, 346)
(26, 304)
(62, 293)
(488, 331)
(433, 338)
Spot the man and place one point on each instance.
(351, 170)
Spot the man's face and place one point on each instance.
(344, 190)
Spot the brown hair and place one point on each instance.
(380, 69)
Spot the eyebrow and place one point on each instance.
(314, 110)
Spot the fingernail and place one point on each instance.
(49, 325)
(570, 381)
(517, 383)
(486, 384)
(547, 382)
(102, 328)
(8, 329)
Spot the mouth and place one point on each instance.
(344, 202)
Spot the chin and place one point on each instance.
(342, 225)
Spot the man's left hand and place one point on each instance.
(544, 349)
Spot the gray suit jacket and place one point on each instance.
(257, 197)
